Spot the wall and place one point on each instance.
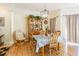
(70, 10)
(14, 20)
(4, 12)
(19, 21)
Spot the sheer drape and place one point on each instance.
(77, 29)
(73, 28)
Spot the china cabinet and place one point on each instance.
(39, 24)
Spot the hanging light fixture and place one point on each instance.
(45, 12)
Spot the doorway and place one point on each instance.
(52, 24)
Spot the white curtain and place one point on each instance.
(77, 29)
(73, 28)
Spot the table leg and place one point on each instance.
(42, 51)
(58, 46)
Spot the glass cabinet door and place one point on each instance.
(41, 25)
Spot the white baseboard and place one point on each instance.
(73, 44)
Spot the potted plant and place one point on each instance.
(31, 17)
(38, 17)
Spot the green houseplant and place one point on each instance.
(38, 18)
(30, 17)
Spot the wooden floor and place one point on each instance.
(73, 49)
(20, 49)
(25, 49)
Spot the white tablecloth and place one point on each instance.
(42, 40)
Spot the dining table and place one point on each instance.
(41, 41)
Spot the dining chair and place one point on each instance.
(54, 45)
(42, 32)
(32, 41)
(19, 36)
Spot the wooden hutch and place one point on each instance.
(37, 24)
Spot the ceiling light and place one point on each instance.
(45, 12)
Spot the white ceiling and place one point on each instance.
(40, 6)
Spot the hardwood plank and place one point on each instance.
(25, 49)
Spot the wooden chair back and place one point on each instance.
(42, 32)
(53, 42)
(35, 32)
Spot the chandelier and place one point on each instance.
(44, 13)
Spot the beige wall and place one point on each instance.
(14, 20)
(19, 21)
(4, 12)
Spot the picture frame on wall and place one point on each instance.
(2, 22)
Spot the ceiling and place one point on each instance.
(40, 6)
